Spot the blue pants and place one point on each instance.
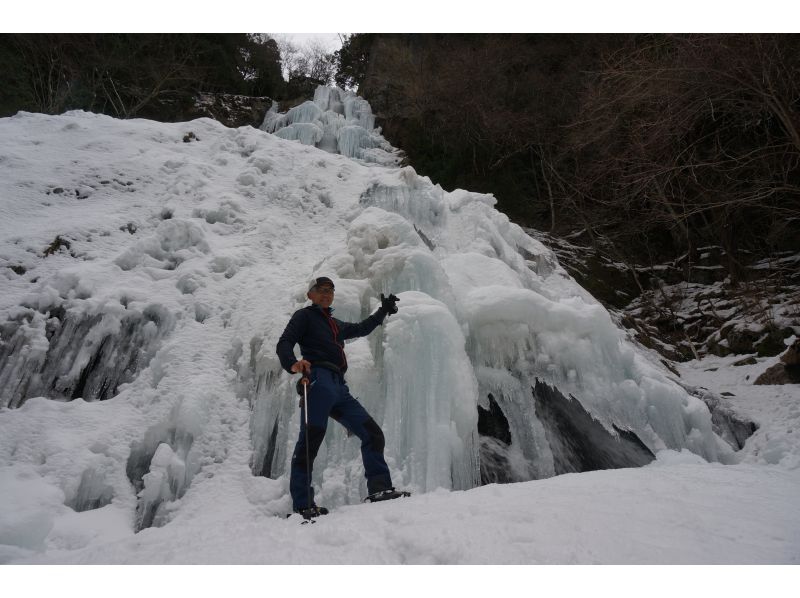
(328, 396)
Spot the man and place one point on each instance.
(323, 365)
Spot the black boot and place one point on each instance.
(386, 495)
(311, 512)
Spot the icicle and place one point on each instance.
(272, 120)
(78, 354)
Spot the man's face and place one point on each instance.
(322, 295)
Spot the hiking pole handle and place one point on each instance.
(304, 381)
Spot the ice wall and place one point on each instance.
(487, 320)
(62, 346)
(336, 121)
(161, 466)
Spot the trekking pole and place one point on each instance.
(304, 382)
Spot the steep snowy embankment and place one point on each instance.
(157, 274)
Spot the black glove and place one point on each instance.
(389, 304)
(302, 389)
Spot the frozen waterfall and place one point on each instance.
(150, 344)
(488, 320)
(336, 121)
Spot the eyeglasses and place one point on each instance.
(324, 290)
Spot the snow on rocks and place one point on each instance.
(774, 410)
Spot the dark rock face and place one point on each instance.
(495, 439)
(266, 469)
(231, 110)
(495, 465)
(740, 340)
(732, 428)
(780, 374)
(581, 443)
(492, 422)
(792, 355)
(786, 372)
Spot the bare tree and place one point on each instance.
(310, 59)
(47, 70)
(696, 135)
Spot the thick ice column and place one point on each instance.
(272, 120)
(329, 99)
(302, 123)
(411, 196)
(358, 111)
(322, 96)
(305, 133)
(163, 483)
(353, 140)
(272, 422)
(307, 112)
(332, 123)
(431, 397)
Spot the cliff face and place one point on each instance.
(230, 109)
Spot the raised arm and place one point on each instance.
(349, 330)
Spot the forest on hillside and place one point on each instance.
(132, 75)
(654, 146)
(649, 146)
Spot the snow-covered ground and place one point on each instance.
(674, 513)
(679, 510)
(201, 250)
(775, 409)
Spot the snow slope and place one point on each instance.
(184, 262)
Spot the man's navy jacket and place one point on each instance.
(321, 336)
